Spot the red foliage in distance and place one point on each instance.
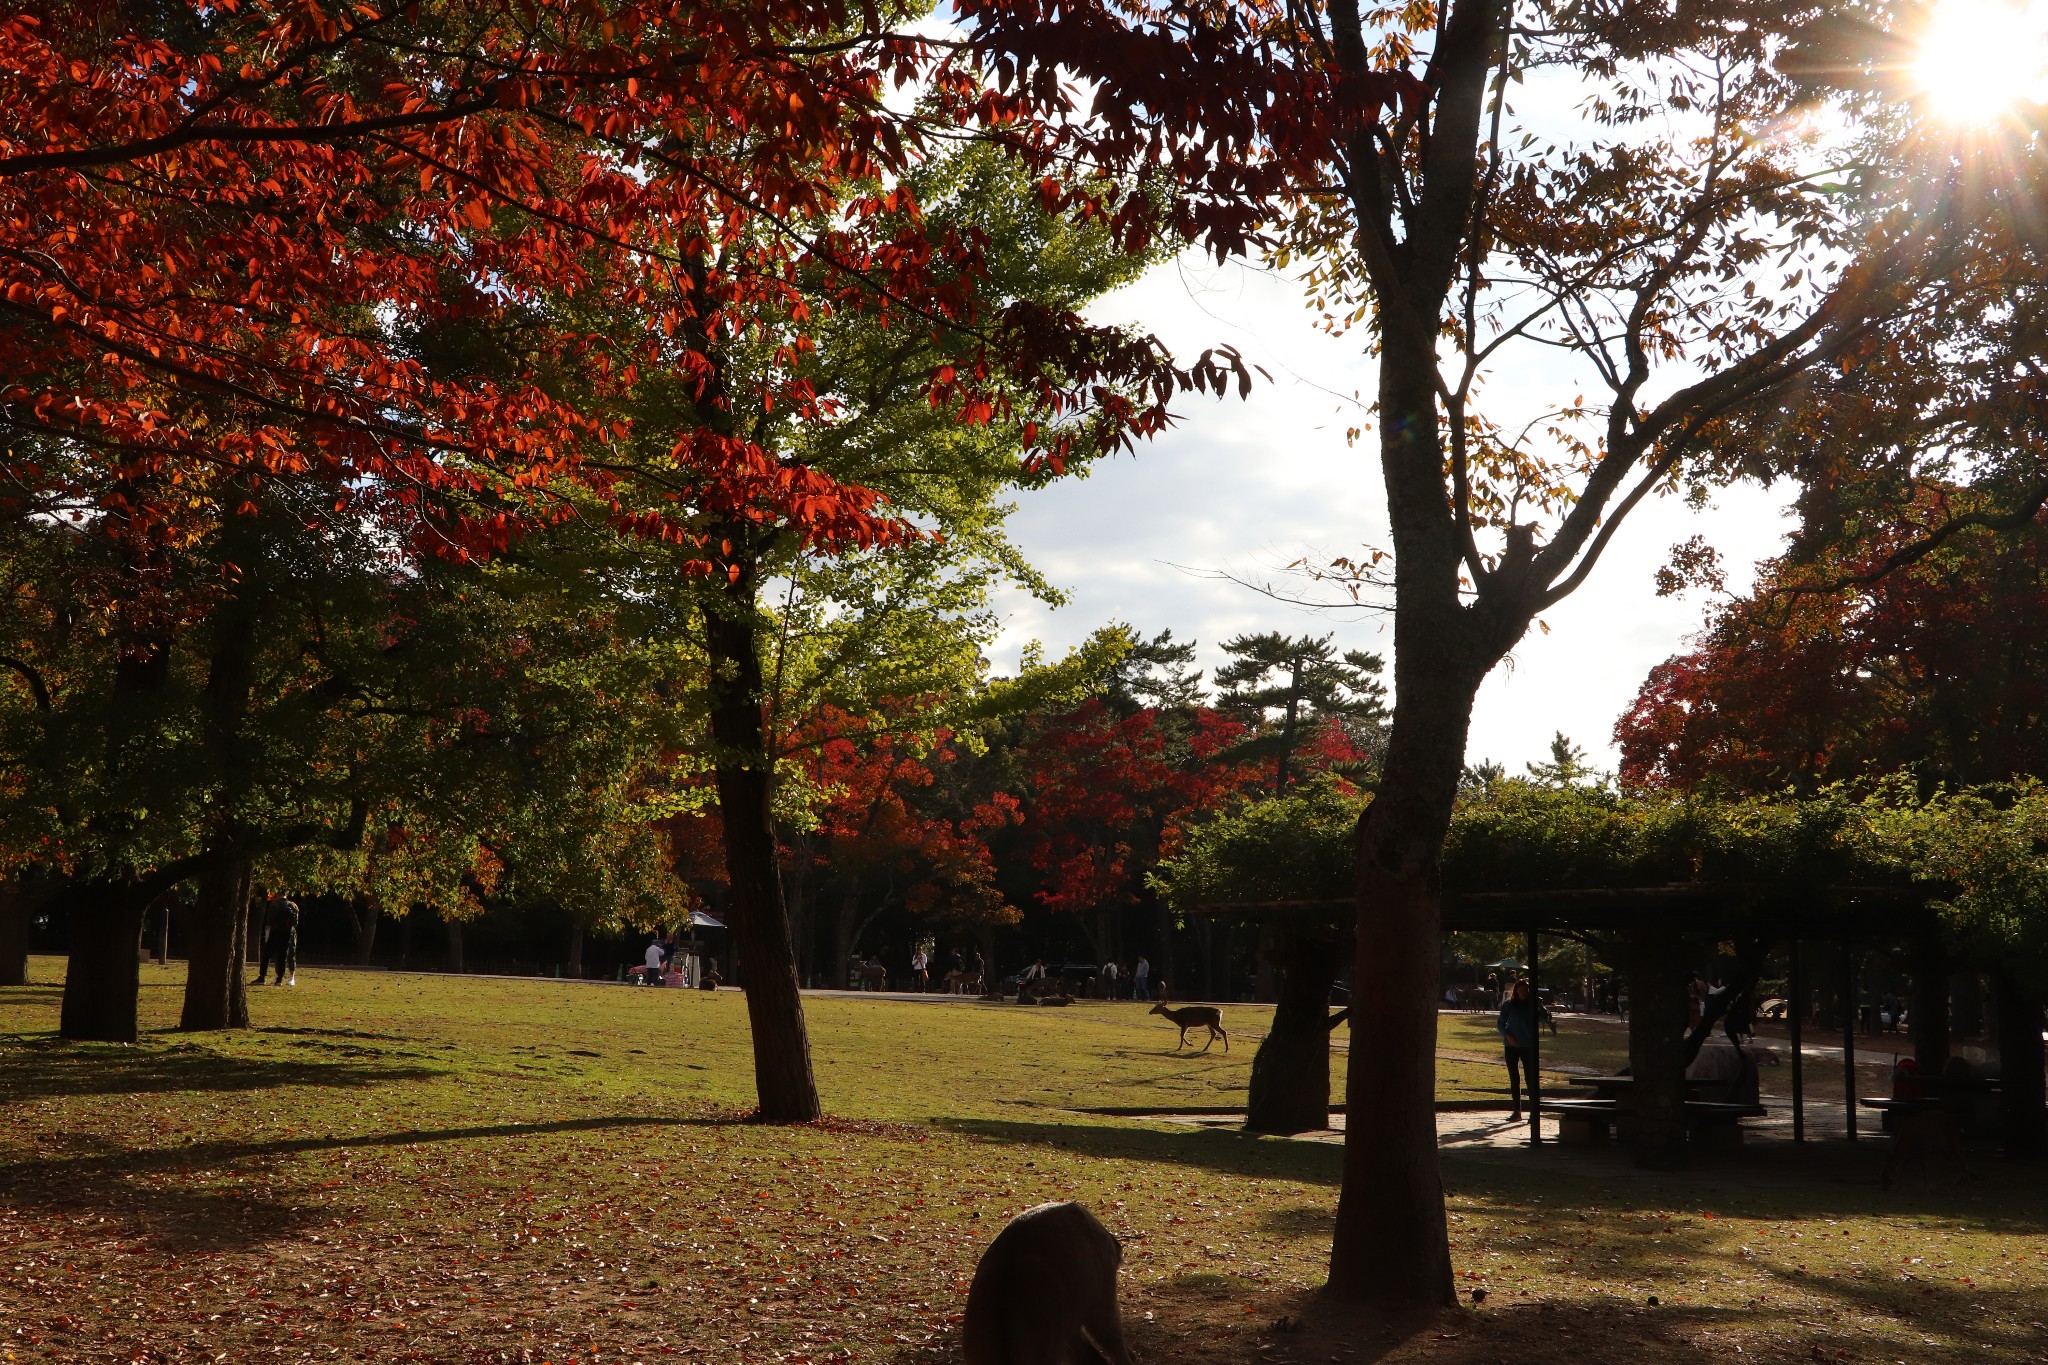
(1937, 667)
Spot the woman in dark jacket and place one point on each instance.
(1519, 1019)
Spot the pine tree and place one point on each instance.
(1305, 681)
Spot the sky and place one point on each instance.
(1244, 487)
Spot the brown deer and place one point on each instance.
(1045, 1293)
(1196, 1016)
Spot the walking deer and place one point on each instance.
(1196, 1016)
(1045, 1293)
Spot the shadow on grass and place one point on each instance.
(1208, 1148)
(41, 1067)
(153, 1190)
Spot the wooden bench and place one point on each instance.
(1715, 1124)
(1583, 1123)
(1589, 1123)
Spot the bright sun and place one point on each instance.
(1978, 59)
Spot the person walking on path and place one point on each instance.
(280, 940)
(1520, 1017)
(1141, 978)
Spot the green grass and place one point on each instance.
(426, 1168)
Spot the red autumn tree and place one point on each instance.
(1103, 786)
(251, 251)
(1937, 667)
(880, 844)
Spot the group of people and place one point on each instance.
(664, 954)
(963, 976)
(1118, 982)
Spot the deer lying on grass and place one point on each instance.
(1045, 1293)
(1196, 1016)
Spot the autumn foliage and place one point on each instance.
(1935, 668)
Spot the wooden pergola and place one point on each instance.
(1844, 916)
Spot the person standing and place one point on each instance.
(919, 962)
(1109, 979)
(656, 955)
(1140, 978)
(280, 944)
(980, 973)
(1520, 1017)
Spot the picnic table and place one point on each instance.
(1970, 1100)
(1590, 1122)
(1614, 1087)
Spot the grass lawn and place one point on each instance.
(397, 1168)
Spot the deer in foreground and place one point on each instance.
(1196, 1016)
(1045, 1293)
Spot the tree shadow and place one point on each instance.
(146, 1189)
(40, 1068)
(1216, 1149)
(1303, 1220)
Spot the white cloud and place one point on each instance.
(1243, 486)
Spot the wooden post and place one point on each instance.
(1535, 1053)
(1796, 990)
(1849, 1034)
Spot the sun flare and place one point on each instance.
(1980, 59)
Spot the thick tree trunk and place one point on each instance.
(1656, 1047)
(1290, 1083)
(576, 950)
(102, 975)
(2023, 1089)
(455, 946)
(216, 992)
(17, 909)
(783, 1082)
(1392, 1243)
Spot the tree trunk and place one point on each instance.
(1290, 1083)
(16, 911)
(842, 937)
(103, 973)
(2023, 1091)
(363, 919)
(1165, 954)
(796, 890)
(455, 946)
(1656, 1047)
(1393, 1245)
(576, 950)
(1929, 1015)
(783, 1082)
(1266, 966)
(216, 993)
